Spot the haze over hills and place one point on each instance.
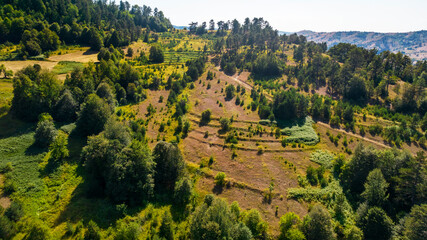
(413, 44)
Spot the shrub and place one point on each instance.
(45, 133)
(230, 91)
(225, 124)
(260, 150)
(58, 149)
(323, 158)
(220, 179)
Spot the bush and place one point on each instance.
(220, 179)
(156, 54)
(225, 124)
(230, 91)
(323, 158)
(206, 116)
(58, 149)
(45, 133)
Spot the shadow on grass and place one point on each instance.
(218, 189)
(105, 213)
(291, 123)
(10, 126)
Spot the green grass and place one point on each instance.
(6, 94)
(64, 67)
(300, 131)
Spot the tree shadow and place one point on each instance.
(34, 150)
(218, 189)
(90, 52)
(299, 122)
(10, 126)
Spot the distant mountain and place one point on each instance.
(413, 44)
(179, 27)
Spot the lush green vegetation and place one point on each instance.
(41, 26)
(87, 168)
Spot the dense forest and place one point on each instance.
(41, 26)
(106, 166)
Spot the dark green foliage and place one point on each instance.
(358, 168)
(92, 232)
(156, 54)
(412, 181)
(255, 223)
(267, 65)
(169, 165)
(105, 92)
(241, 232)
(36, 90)
(288, 105)
(7, 229)
(196, 67)
(289, 227)
(376, 224)
(230, 92)
(45, 133)
(206, 117)
(214, 220)
(166, 228)
(66, 107)
(375, 189)
(416, 223)
(356, 90)
(14, 212)
(225, 124)
(75, 23)
(115, 130)
(317, 225)
(123, 173)
(183, 191)
(93, 116)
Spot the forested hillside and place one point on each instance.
(412, 44)
(41, 26)
(227, 130)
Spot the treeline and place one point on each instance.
(40, 90)
(42, 25)
(382, 184)
(360, 75)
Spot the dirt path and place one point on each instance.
(354, 135)
(248, 86)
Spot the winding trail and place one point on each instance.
(354, 135)
(250, 87)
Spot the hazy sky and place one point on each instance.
(296, 15)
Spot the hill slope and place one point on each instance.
(413, 44)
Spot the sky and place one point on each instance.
(297, 15)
